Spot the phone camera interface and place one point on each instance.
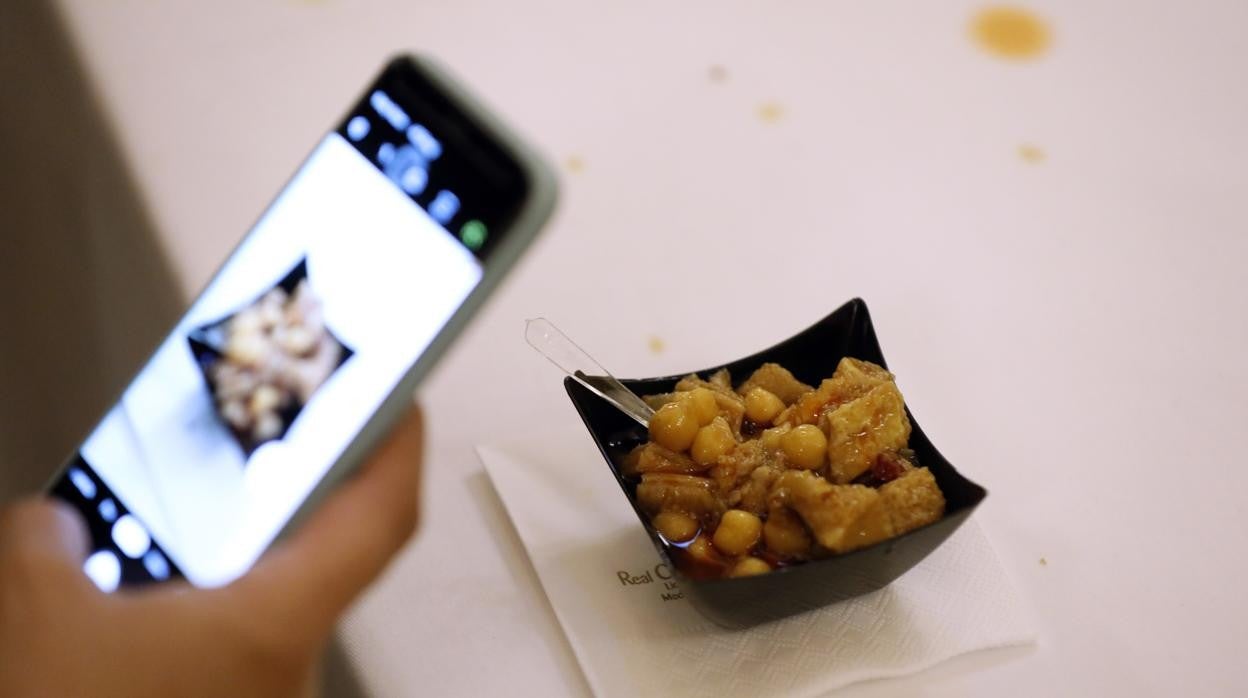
(122, 549)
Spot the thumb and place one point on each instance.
(315, 574)
(43, 534)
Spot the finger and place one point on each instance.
(45, 533)
(313, 576)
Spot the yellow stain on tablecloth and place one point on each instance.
(1031, 153)
(1010, 32)
(770, 112)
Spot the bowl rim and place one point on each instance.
(858, 308)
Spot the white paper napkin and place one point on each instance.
(634, 634)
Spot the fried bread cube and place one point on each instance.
(874, 525)
(807, 407)
(732, 468)
(686, 494)
(721, 378)
(784, 534)
(653, 458)
(770, 438)
(859, 375)
(720, 382)
(753, 494)
(731, 408)
(841, 517)
(776, 380)
(913, 500)
(853, 379)
(862, 429)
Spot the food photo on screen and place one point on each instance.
(263, 363)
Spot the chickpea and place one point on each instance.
(701, 401)
(265, 398)
(270, 308)
(298, 341)
(748, 567)
(701, 551)
(762, 406)
(246, 321)
(784, 533)
(247, 348)
(738, 532)
(712, 441)
(673, 426)
(675, 526)
(805, 446)
(268, 426)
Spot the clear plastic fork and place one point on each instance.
(549, 341)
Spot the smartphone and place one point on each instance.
(306, 346)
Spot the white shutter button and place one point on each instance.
(104, 569)
(131, 537)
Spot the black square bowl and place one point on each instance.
(812, 356)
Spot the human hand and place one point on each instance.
(261, 635)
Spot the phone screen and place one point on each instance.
(338, 289)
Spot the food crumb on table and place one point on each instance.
(656, 344)
(1044, 562)
(1031, 153)
(574, 163)
(770, 112)
(1011, 33)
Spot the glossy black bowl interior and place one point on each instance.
(812, 356)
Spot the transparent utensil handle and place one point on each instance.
(542, 335)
